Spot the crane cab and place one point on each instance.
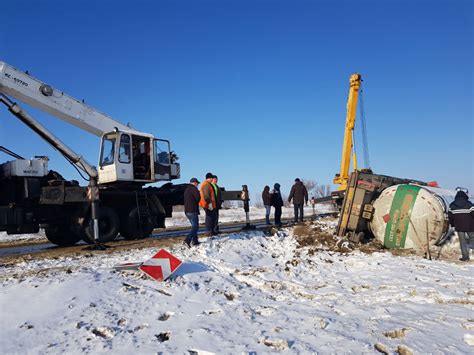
(133, 158)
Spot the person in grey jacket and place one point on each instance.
(267, 202)
(299, 195)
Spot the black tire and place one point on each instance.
(160, 221)
(133, 229)
(61, 234)
(82, 233)
(109, 226)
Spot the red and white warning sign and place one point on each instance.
(161, 265)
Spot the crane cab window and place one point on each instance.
(124, 149)
(108, 150)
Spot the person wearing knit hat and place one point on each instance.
(208, 203)
(277, 203)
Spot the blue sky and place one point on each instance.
(255, 91)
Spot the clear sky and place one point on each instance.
(256, 91)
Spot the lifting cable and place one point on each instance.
(365, 143)
(9, 152)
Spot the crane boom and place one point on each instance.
(42, 96)
(126, 155)
(343, 177)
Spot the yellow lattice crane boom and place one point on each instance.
(347, 149)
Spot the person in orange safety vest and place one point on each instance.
(208, 203)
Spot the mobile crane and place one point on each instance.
(31, 195)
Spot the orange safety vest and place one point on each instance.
(203, 203)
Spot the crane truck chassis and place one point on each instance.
(32, 197)
(115, 202)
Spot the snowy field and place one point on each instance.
(242, 293)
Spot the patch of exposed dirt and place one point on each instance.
(315, 234)
(462, 301)
(22, 242)
(319, 236)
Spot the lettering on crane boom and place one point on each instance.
(16, 80)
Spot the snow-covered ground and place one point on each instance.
(242, 293)
(4, 237)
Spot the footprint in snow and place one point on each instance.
(395, 334)
(103, 332)
(212, 311)
(162, 337)
(277, 344)
(265, 311)
(27, 325)
(165, 316)
(231, 295)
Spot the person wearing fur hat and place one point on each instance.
(461, 217)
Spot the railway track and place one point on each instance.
(19, 251)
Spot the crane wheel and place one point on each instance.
(61, 234)
(109, 226)
(136, 225)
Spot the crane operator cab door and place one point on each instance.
(141, 151)
(162, 160)
(108, 158)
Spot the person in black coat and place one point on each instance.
(219, 201)
(299, 195)
(461, 217)
(277, 203)
(191, 209)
